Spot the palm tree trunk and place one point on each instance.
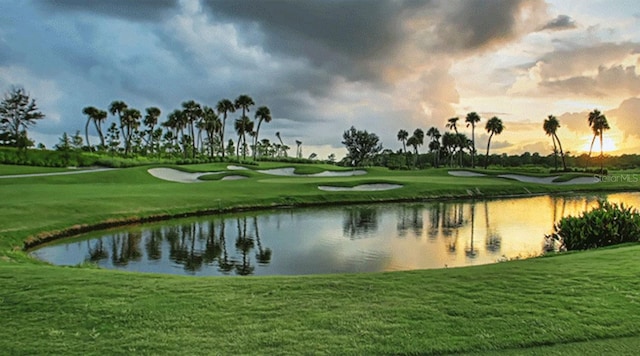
(224, 121)
(486, 158)
(564, 164)
(591, 148)
(86, 132)
(555, 152)
(473, 143)
(255, 140)
(601, 155)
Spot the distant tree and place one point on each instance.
(494, 127)
(76, 141)
(224, 107)
(331, 158)
(550, 126)
(452, 124)
(418, 135)
(360, 145)
(472, 119)
(98, 117)
(131, 120)
(18, 112)
(262, 114)
(403, 135)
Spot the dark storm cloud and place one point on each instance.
(131, 9)
(481, 24)
(562, 22)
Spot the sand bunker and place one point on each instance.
(175, 175)
(236, 168)
(290, 172)
(233, 177)
(361, 188)
(529, 179)
(465, 174)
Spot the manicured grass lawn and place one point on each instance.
(581, 302)
(12, 170)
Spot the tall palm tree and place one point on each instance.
(131, 119)
(118, 108)
(434, 144)
(452, 124)
(192, 112)
(550, 126)
(243, 126)
(598, 123)
(224, 107)
(494, 127)
(471, 119)
(419, 139)
(262, 114)
(90, 112)
(403, 135)
(244, 102)
(150, 121)
(212, 125)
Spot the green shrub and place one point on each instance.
(608, 224)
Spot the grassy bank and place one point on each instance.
(544, 304)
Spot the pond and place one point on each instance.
(358, 238)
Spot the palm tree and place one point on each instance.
(262, 114)
(244, 102)
(434, 144)
(598, 124)
(449, 145)
(494, 127)
(224, 106)
(118, 108)
(452, 124)
(419, 139)
(471, 119)
(131, 120)
(299, 149)
(212, 125)
(90, 112)
(243, 126)
(150, 121)
(550, 126)
(192, 112)
(403, 135)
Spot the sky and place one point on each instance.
(324, 66)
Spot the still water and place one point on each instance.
(368, 238)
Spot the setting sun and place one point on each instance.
(608, 144)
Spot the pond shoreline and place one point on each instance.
(50, 236)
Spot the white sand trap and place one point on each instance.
(529, 179)
(550, 180)
(361, 188)
(175, 175)
(290, 172)
(236, 168)
(465, 174)
(233, 177)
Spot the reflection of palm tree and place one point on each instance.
(244, 244)
(212, 249)
(224, 264)
(494, 240)
(97, 252)
(359, 222)
(471, 252)
(263, 255)
(152, 245)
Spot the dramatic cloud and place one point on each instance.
(321, 66)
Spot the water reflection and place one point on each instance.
(349, 239)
